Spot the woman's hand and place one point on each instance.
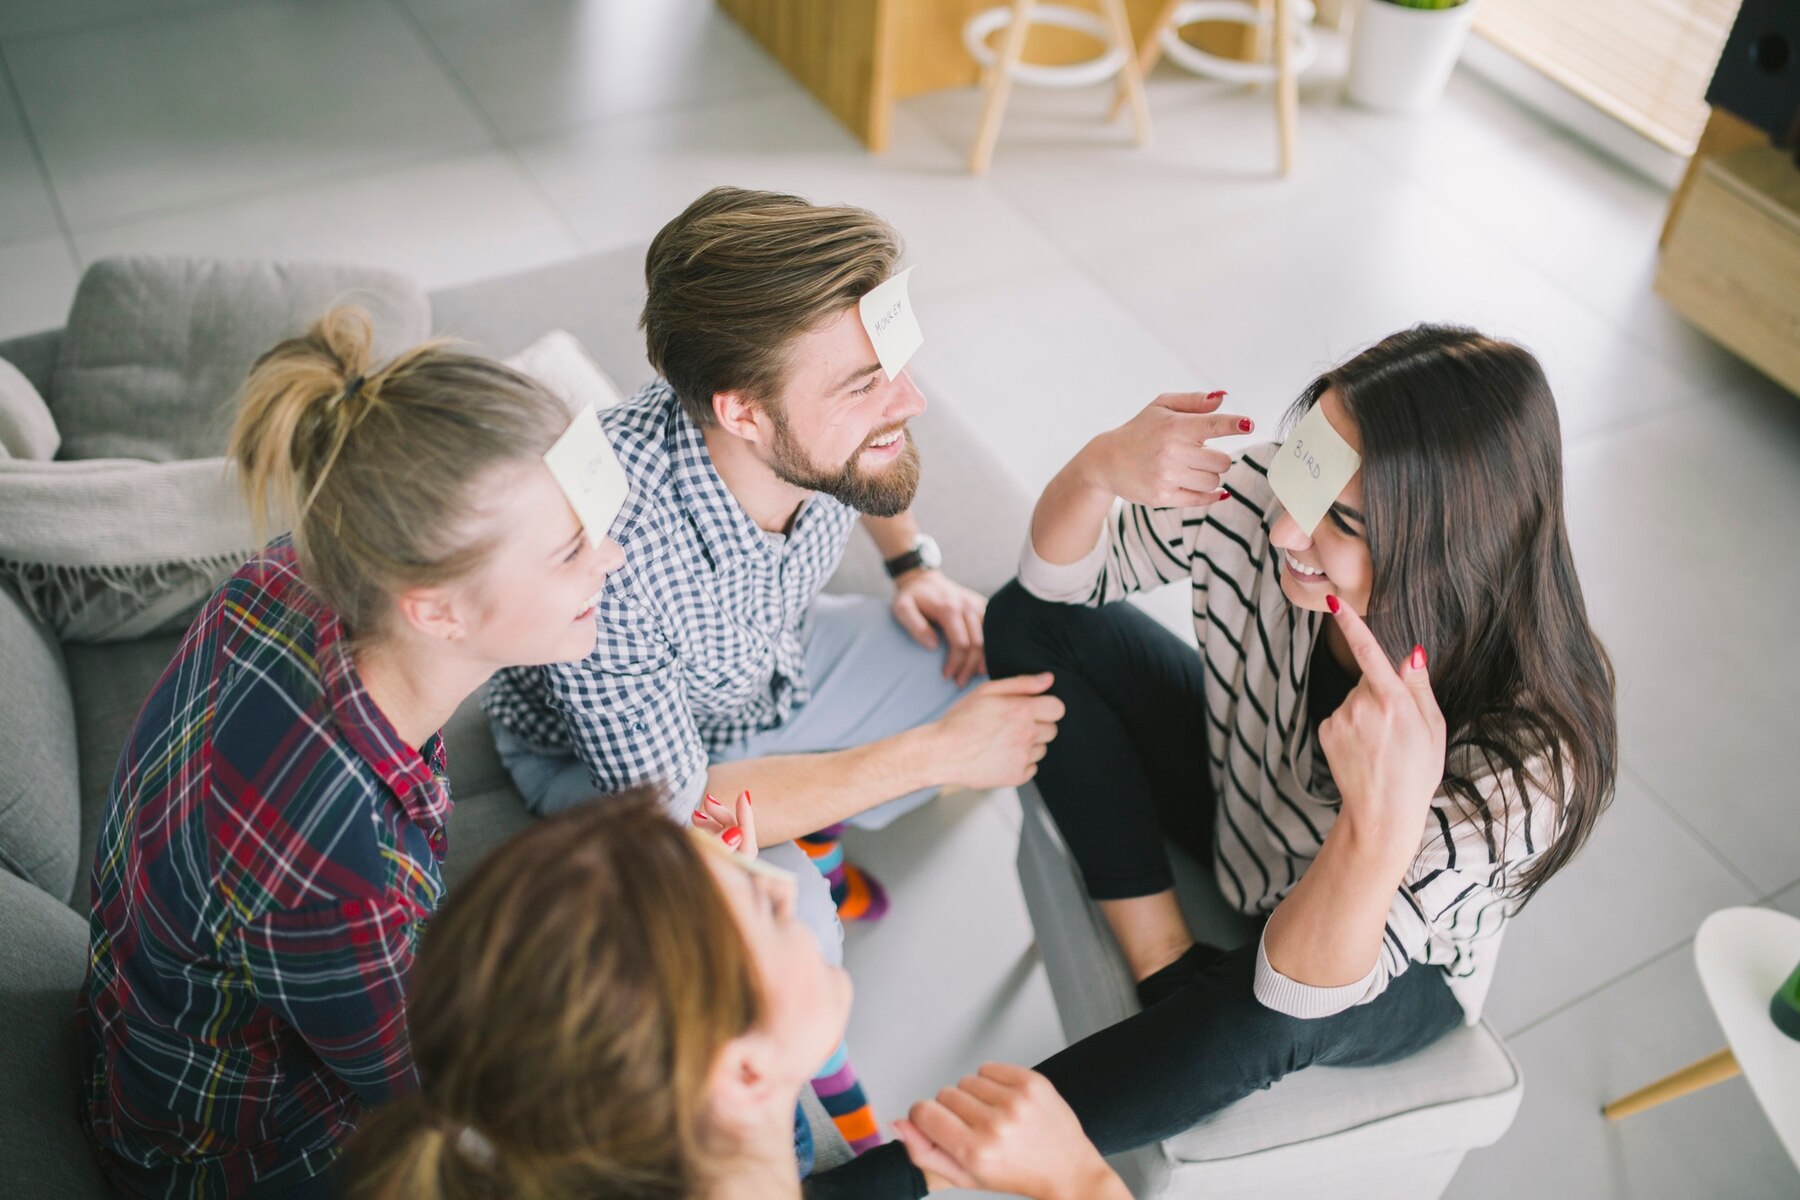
(1385, 743)
(1007, 1130)
(1160, 458)
(735, 827)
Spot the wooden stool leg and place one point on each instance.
(1149, 53)
(1131, 77)
(1287, 86)
(1012, 48)
(1713, 1069)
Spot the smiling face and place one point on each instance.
(1334, 559)
(533, 600)
(840, 424)
(806, 1002)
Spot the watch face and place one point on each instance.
(930, 557)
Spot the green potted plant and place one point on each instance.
(1402, 51)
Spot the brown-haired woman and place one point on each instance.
(271, 844)
(1385, 819)
(614, 1007)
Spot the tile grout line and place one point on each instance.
(37, 156)
(1590, 993)
(501, 142)
(1687, 827)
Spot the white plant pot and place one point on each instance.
(1401, 58)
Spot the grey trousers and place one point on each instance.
(869, 679)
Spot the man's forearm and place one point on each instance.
(1327, 932)
(796, 794)
(893, 536)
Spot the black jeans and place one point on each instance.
(1127, 770)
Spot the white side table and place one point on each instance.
(1743, 955)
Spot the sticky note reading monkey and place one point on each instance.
(887, 315)
(1311, 469)
(589, 474)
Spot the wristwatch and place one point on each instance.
(924, 553)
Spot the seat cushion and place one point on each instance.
(43, 955)
(157, 347)
(40, 811)
(110, 683)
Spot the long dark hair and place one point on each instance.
(1463, 495)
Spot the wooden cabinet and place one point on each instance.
(1731, 258)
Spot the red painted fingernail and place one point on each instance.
(1215, 395)
(700, 815)
(711, 799)
(733, 837)
(1224, 495)
(1418, 658)
(1331, 602)
(1246, 424)
(747, 799)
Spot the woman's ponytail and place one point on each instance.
(377, 467)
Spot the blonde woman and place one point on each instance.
(271, 845)
(613, 1007)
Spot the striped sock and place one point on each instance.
(842, 1095)
(858, 895)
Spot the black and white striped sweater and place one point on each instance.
(1276, 798)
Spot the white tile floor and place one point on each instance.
(456, 139)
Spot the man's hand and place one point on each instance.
(1160, 458)
(1007, 1130)
(924, 599)
(996, 735)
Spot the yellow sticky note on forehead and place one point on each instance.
(888, 317)
(1311, 469)
(589, 473)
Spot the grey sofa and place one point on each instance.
(64, 711)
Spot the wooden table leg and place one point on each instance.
(1149, 53)
(1131, 76)
(1012, 48)
(1715, 1068)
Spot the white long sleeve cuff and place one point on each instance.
(1061, 582)
(1302, 1000)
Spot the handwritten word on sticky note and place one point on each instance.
(1311, 469)
(589, 474)
(887, 315)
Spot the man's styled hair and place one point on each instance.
(739, 275)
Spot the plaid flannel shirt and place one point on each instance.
(701, 632)
(269, 853)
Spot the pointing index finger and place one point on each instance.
(1369, 655)
(1206, 426)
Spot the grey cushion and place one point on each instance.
(26, 427)
(43, 951)
(35, 356)
(40, 815)
(109, 684)
(156, 348)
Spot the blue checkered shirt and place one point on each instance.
(702, 631)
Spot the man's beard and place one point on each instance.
(885, 494)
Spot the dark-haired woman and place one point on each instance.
(1398, 725)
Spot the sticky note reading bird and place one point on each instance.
(887, 315)
(1311, 469)
(589, 474)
